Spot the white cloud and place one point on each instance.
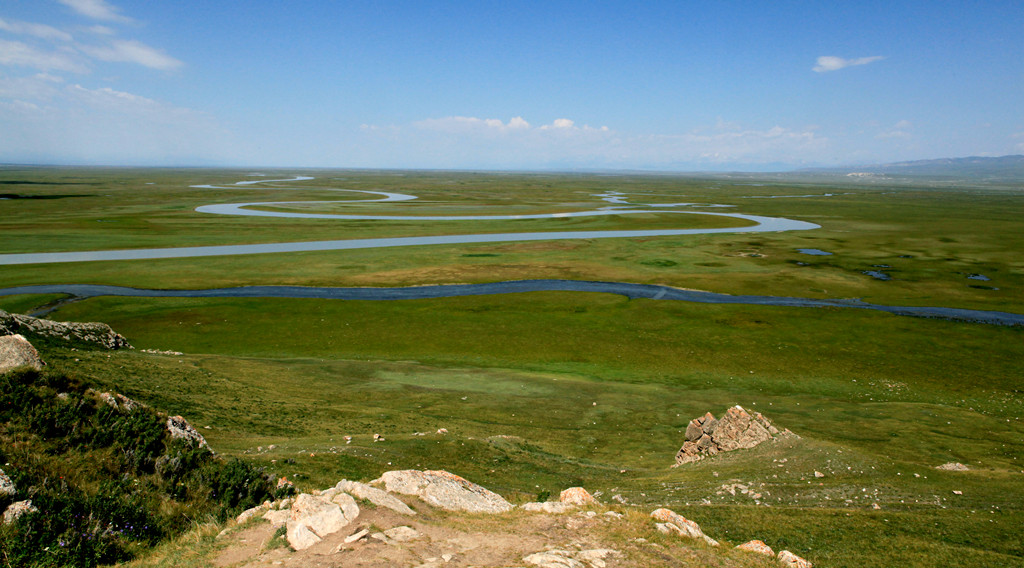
(38, 30)
(131, 51)
(41, 86)
(465, 124)
(21, 54)
(102, 30)
(831, 63)
(77, 124)
(97, 10)
(518, 122)
(468, 142)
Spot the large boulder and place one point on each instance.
(99, 334)
(577, 496)
(738, 429)
(445, 490)
(375, 496)
(312, 519)
(16, 351)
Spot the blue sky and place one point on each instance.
(702, 85)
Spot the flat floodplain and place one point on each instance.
(545, 390)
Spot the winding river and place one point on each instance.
(761, 224)
(620, 206)
(632, 291)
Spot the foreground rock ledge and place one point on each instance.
(93, 332)
(445, 490)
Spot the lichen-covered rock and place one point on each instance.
(180, 428)
(757, 546)
(312, 519)
(16, 510)
(120, 402)
(577, 496)
(682, 526)
(790, 560)
(16, 351)
(95, 333)
(376, 496)
(7, 488)
(445, 490)
(738, 429)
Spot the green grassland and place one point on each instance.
(541, 391)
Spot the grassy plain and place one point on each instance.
(545, 390)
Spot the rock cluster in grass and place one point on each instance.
(953, 466)
(736, 430)
(99, 334)
(16, 351)
(324, 517)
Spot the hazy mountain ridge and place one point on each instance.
(1001, 167)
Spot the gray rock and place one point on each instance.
(96, 333)
(7, 488)
(445, 490)
(672, 522)
(181, 429)
(16, 351)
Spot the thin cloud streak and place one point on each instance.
(828, 63)
(131, 51)
(97, 10)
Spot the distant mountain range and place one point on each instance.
(997, 168)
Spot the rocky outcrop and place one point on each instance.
(16, 351)
(738, 429)
(674, 523)
(99, 334)
(179, 428)
(953, 466)
(445, 490)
